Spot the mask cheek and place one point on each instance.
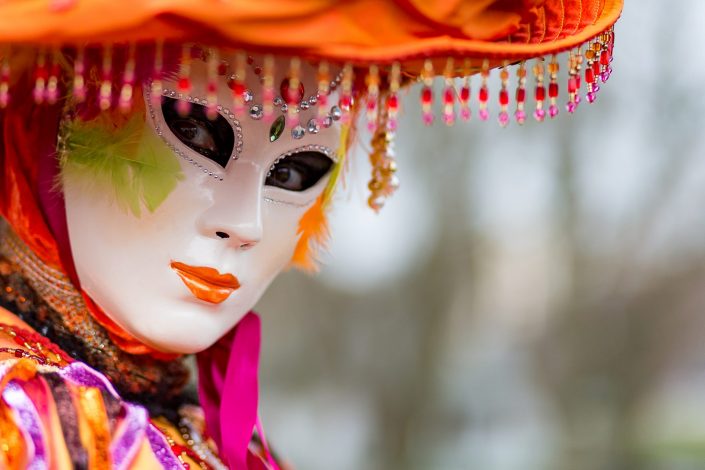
(282, 222)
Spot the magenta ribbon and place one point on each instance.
(228, 390)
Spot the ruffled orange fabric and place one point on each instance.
(358, 30)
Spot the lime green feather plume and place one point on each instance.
(125, 158)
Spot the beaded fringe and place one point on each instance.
(376, 87)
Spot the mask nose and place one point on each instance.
(235, 217)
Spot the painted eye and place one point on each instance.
(299, 171)
(214, 139)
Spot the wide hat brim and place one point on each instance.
(360, 31)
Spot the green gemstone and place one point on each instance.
(277, 128)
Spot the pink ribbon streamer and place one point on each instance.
(228, 390)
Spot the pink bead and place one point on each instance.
(577, 99)
(553, 110)
(503, 118)
(590, 97)
(520, 116)
(371, 126)
(392, 124)
(465, 114)
(570, 107)
(428, 118)
(183, 107)
(540, 115)
(449, 118)
(484, 114)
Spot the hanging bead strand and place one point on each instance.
(105, 95)
(212, 63)
(427, 92)
(183, 106)
(346, 97)
(449, 93)
(393, 104)
(465, 92)
(237, 83)
(157, 71)
(540, 92)
(292, 92)
(79, 80)
(372, 97)
(484, 94)
(52, 89)
(323, 77)
(5, 81)
(571, 106)
(520, 113)
(267, 89)
(384, 181)
(503, 116)
(553, 87)
(40, 78)
(590, 76)
(128, 81)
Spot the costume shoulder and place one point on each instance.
(59, 413)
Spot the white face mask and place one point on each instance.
(182, 276)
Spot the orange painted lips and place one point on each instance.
(206, 283)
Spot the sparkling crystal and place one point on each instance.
(277, 127)
(247, 96)
(327, 121)
(256, 111)
(278, 101)
(335, 113)
(285, 108)
(298, 132)
(304, 105)
(313, 100)
(313, 126)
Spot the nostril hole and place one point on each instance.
(222, 234)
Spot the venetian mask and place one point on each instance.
(211, 213)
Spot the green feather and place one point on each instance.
(128, 159)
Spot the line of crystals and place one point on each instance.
(291, 100)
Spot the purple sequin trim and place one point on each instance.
(161, 450)
(80, 374)
(30, 423)
(126, 445)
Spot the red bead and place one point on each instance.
(211, 87)
(521, 95)
(577, 82)
(371, 104)
(596, 68)
(553, 90)
(291, 96)
(540, 93)
(605, 58)
(184, 83)
(589, 75)
(484, 94)
(426, 95)
(346, 101)
(465, 94)
(41, 72)
(503, 97)
(448, 95)
(237, 86)
(222, 68)
(392, 102)
(572, 85)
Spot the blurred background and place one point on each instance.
(531, 298)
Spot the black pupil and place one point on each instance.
(299, 171)
(214, 139)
